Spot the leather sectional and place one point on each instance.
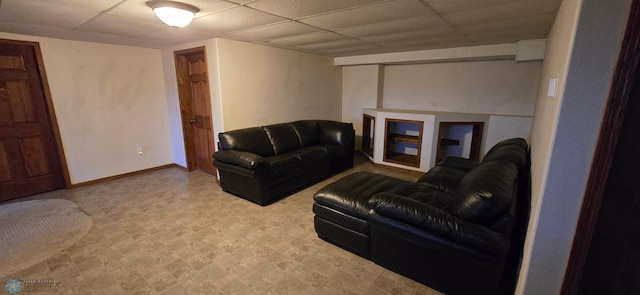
(263, 164)
(458, 229)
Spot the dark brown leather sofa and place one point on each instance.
(459, 229)
(263, 164)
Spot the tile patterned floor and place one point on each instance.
(173, 232)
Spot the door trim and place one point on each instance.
(53, 121)
(619, 94)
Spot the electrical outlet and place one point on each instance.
(434, 103)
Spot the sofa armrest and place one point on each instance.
(431, 219)
(244, 159)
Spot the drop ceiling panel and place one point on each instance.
(182, 35)
(514, 10)
(233, 19)
(433, 34)
(84, 4)
(302, 8)
(35, 30)
(139, 9)
(308, 39)
(394, 27)
(449, 6)
(117, 25)
(331, 27)
(375, 13)
(334, 44)
(268, 32)
(44, 14)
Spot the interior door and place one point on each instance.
(29, 158)
(195, 105)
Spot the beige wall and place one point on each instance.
(107, 102)
(582, 50)
(253, 85)
(503, 87)
(261, 85)
(359, 91)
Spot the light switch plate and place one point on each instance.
(553, 87)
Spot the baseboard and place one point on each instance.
(90, 182)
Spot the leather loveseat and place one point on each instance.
(458, 229)
(263, 164)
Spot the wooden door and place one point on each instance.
(29, 157)
(195, 107)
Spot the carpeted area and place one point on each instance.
(34, 231)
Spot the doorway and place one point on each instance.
(31, 158)
(195, 108)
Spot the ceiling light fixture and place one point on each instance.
(175, 14)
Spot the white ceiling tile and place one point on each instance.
(178, 35)
(449, 6)
(139, 9)
(529, 23)
(331, 27)
(35, 30)
(84, 4)
(434, 33)
(396, 26)
(43, 14)
(299, 40)
(274, 31)
(358, 50)
(128, 27)
(334, 44)
(233, 19)
(102, 37)
(375, 13)
(513, 10)
(302, 8)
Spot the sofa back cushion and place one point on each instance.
(486, 192)
(332, 132)
(253, 140)
(511, 153)
(307, 132)
(282, 137)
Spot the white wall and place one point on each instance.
(502, 87)
(108, 100)
(582, 50)
(262, 85)
(359, 91)
(253, 85)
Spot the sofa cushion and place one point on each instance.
(332, 132)
(282, 163)
(443, 178)
(307, 132)
(350, 194)
(333, 150)
(310, 154)
(512, 153)
(282, 137)
(253, 140)
(486, 192)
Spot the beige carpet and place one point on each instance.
(33, 231)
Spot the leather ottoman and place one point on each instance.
(341, 209)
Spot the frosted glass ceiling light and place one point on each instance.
(175, 14)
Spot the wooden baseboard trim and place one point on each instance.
(87, 183)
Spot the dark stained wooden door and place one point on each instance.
(195, 104)
(29, 158)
